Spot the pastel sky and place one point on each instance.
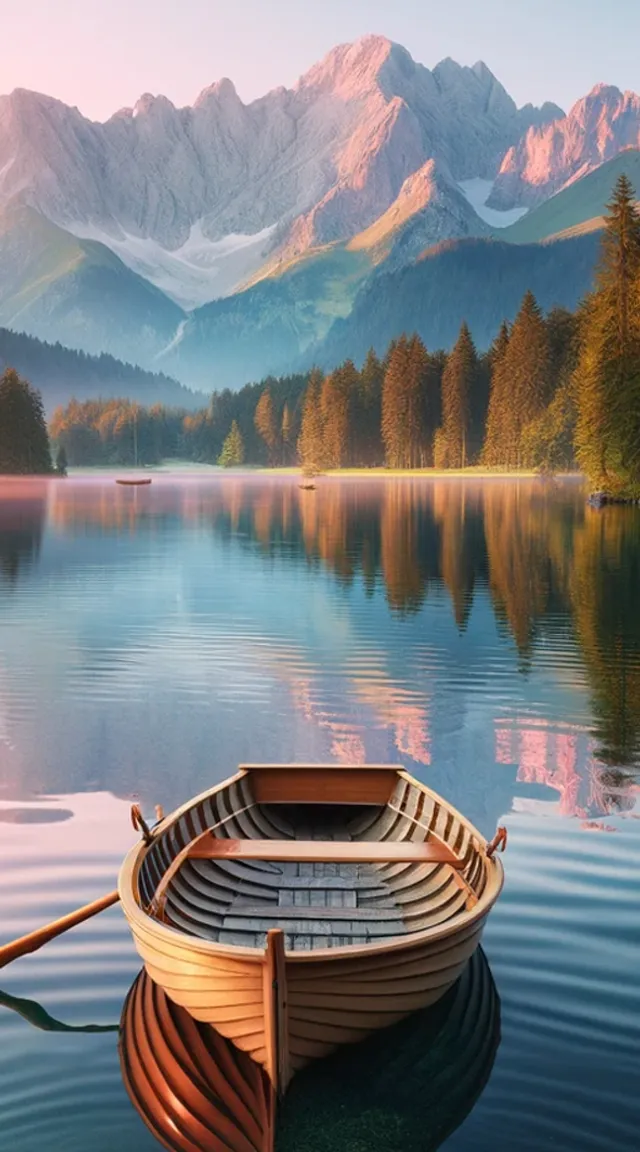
(102, 54)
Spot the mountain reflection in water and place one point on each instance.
(561, 579)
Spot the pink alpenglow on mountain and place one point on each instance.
(197, 200)
(549, 157)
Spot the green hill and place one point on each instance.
(578, 208)
(57, 287)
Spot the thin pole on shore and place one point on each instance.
(34, 940)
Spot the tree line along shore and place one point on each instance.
(556, 392)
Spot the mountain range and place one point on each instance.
(223, 241)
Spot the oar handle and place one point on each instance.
(34, 940)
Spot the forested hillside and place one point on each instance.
(479, 281)
(60, 374)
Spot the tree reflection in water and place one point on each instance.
(550, 565)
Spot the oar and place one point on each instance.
(34, 940)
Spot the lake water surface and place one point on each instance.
(484, 634)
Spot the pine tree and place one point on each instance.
(494, 452)
(394, 414)
(458, 385)
(267, 425)
(24, 440)
(311, 438)
(607, 377)
(527, 378)
(232, 454)
(419, 403)
(432, 404)
(62, 463)
(547, 441)
(335, 405)
(367, 413)
(403, 404)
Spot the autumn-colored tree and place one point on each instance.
(403, 431)
(267, 426)
(335, 396)
(311, 438)
(286, 435)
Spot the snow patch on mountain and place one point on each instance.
(199, 271)
(477, 192)
(179, 333)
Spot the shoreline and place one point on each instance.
(477, 473)
(185, 468)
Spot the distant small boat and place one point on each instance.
(307, 487)
(134, 483)
(299, 908)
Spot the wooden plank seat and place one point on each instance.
(326, 851)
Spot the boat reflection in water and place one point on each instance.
(192, 1088)
(407, 1087)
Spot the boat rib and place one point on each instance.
(367, 892)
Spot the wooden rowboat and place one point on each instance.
(297, 908)
(135, 483)
(194, 1090)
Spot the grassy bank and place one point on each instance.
(477, 473)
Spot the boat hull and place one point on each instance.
(329, 1002)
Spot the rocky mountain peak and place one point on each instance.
(350, 70)
(149, 105)
(223, 91)
(597, 127)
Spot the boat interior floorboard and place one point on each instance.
(317, 905)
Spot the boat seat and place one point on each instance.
(326, 851)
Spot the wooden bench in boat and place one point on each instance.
(325, 851)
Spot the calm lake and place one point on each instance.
(485, 634)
